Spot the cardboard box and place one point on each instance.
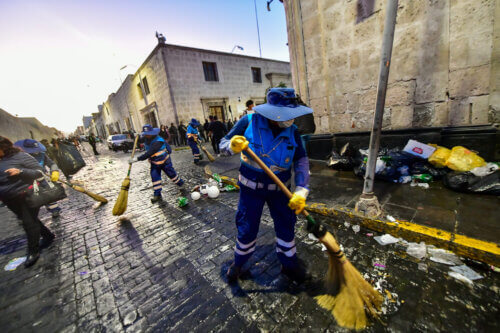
(419, 149)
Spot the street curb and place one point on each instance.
(472, 248)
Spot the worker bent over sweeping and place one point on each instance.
(39, 152)
(270, 133)
(192, 139)
(158, 153)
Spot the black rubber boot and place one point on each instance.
(45, 242)
(233, 273)
(156, 198)
(31, 259)
(297, 274)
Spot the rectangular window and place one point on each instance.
(210, 71)
(256, 76)
(146, 87)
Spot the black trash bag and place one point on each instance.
(69, 159)
(468, 182)
(398, 158)
(419, 168)
(343, 160)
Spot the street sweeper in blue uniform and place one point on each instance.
(192, 139)
(270, 133)
(158, 153)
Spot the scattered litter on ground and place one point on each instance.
(390, 218)
(355, 228)
(460, 277)
(83, 273)
(323, 247)
(12, 265)
(444, 257)
(417, 250)
(378, 265)
(495, 269)
(347, 224)
(369, 234)
(422, 267)
(203, 232)
(422, 185)
(311, 236)
(467, 272)
(386, 239)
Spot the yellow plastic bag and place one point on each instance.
(462, 159)
(439, 157)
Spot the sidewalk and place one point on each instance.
(461, 222)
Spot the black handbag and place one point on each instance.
(45, 193)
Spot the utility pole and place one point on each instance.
(258, 31)
(368, 203)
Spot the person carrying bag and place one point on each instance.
(18, 171)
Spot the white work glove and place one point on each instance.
(132, 160)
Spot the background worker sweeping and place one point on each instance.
(39, 152)
(158, 152)
(270, 133)
(192, 137)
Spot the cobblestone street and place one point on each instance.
(161, 268)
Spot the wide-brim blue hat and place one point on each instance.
(282, 105)
(30, 146)
(150, 130)
(194, 122)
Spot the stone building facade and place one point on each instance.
(445, 67)
(180, 83)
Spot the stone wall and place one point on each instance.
(18, 128)
(442, 70)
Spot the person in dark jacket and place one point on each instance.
(173, 134)
(18, 170)
(39, 152)
(217, 130)
(164, 133)
(182, 134)
(93, 143)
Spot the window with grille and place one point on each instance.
(210, 71)
(256, 75)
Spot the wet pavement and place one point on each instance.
(160, 268)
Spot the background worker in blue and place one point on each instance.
(192, 138)
(270, 133)
(39, 152)
(158, 153)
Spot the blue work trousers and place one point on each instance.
(168, 168)
(248, 217)
(194, 149)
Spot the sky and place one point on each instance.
(60, 59)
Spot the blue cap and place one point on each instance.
(282, 105)
(194, 122)
(150, 130)
(30, 146)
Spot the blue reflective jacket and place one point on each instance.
(276, 152)
(162, 154)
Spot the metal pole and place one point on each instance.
(258, 31)
(368, 202)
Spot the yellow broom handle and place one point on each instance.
(133, 153)
(327, 239)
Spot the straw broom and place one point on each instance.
(349, 297)
(210, 157)
(122, 200)
(94, 196)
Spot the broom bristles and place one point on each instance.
(94, 196)
(349, 296)
(121, 202)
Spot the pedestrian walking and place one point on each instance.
(173, 134)
(270, 133)
(217, 130)
(158, 153)
(39, 153)
(182, 134)
(93, 143)
(201, 130)
(249, 110)
(18, 170)
(192, 139)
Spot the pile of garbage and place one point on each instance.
(459, 168)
